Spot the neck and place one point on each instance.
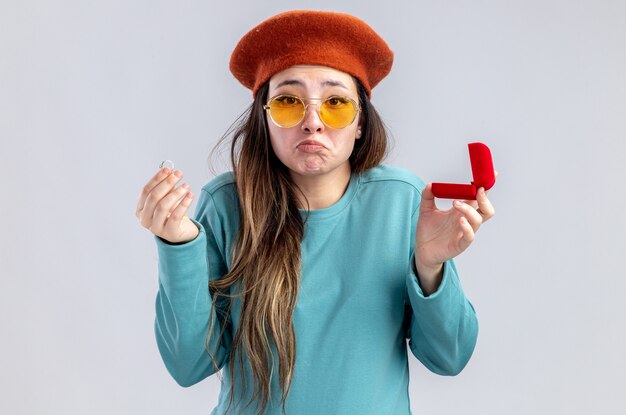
(324, 190)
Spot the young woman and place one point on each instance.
(306, 268)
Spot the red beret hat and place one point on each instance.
(307, 37)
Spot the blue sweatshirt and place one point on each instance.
(359, 301)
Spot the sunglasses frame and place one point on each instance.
(355, 105)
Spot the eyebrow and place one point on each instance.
(327, 82)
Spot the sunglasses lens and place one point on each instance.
(286, 110)
(337, 112)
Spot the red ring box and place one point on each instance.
(483, 173)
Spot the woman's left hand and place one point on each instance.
(443, 234)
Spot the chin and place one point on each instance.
(313, 166)
(310, 171)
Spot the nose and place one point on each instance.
(312, 122)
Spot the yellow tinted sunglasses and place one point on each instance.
(289, 110)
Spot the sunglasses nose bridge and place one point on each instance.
(305, 113)
(306, 104)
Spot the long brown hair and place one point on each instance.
(266, 257)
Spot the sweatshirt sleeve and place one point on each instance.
(183, 302)
(442, 327)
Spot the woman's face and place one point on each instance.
(310, 147)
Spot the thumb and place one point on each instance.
(428, 198)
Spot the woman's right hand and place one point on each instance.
(161, 210)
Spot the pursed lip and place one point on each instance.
(311, 143)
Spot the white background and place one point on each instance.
(94, 94)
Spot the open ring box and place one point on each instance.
(482, 171)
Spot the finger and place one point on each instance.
(164, 209)
(177, 202)
(485, 208)
(156, 194)
(180, 212)
(472, 203)
(471, 215)
(428, 198)
(148, 187)
(475, 203)
(468, 233)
